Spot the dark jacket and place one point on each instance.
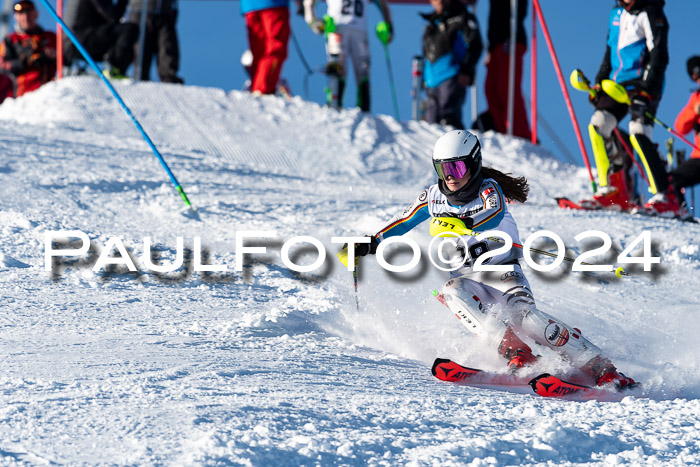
(451, 44)
(155, 7)
(83, 15)
(629, 60)
(499, 22)
(24, 54)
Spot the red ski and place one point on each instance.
(544, 385)
(566, 203)
(447, 370)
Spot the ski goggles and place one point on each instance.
(457, 169)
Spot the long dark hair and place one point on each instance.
(515, 188)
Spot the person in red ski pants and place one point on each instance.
(268, 35)
(498, 64)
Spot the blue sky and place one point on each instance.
(213, 37)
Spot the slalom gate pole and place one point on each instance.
(391, 81)
(631, 154)
(533, 81)
(672, 131)
(116, 95)
(565, 91)
(511, 66)
(59, 42)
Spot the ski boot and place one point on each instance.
(614, 197)
(604, 373)
(517, 352)
(666, 205)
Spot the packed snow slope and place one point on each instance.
(271, 367)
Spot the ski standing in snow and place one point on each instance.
(497, 307)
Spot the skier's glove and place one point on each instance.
(364, 249)
(317, 26)
(361, 249)
(640, 105)
(597, 91)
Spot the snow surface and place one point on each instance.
(271, 367)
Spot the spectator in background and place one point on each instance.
(268, 35)
(161, 38)
(498, 67)
(7, 87)
(350, 20)
(688, 173)
(283, 88)
(636, 56)
(29, 53)
(451, 47)
(96, 24)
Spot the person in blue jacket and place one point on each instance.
(268, 35)
(451, 46)
(636, 56)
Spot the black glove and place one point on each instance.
(640, 105)
(597, 91)
(364, 249)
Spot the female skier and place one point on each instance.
(495, 306)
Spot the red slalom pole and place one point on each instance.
(533, 81)
(565, 91)
(59, 42)
(630, 154)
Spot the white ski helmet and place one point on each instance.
(456, 152)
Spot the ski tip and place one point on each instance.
(446, 370)
(566, 203)
(437, 363)
(547, 385)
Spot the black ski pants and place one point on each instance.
(112, 42)
(444, 103)
(686, 174)
(161, 40)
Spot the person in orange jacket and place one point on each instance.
(29, 53)
(688, 173)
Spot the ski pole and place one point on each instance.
(671, 130)
(357, 295)
(383, 33)
(455, 227)
(116, 95)
(343, 258)
(309, 71)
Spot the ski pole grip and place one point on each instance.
(383, 31)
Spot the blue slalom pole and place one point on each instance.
(92, 63)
